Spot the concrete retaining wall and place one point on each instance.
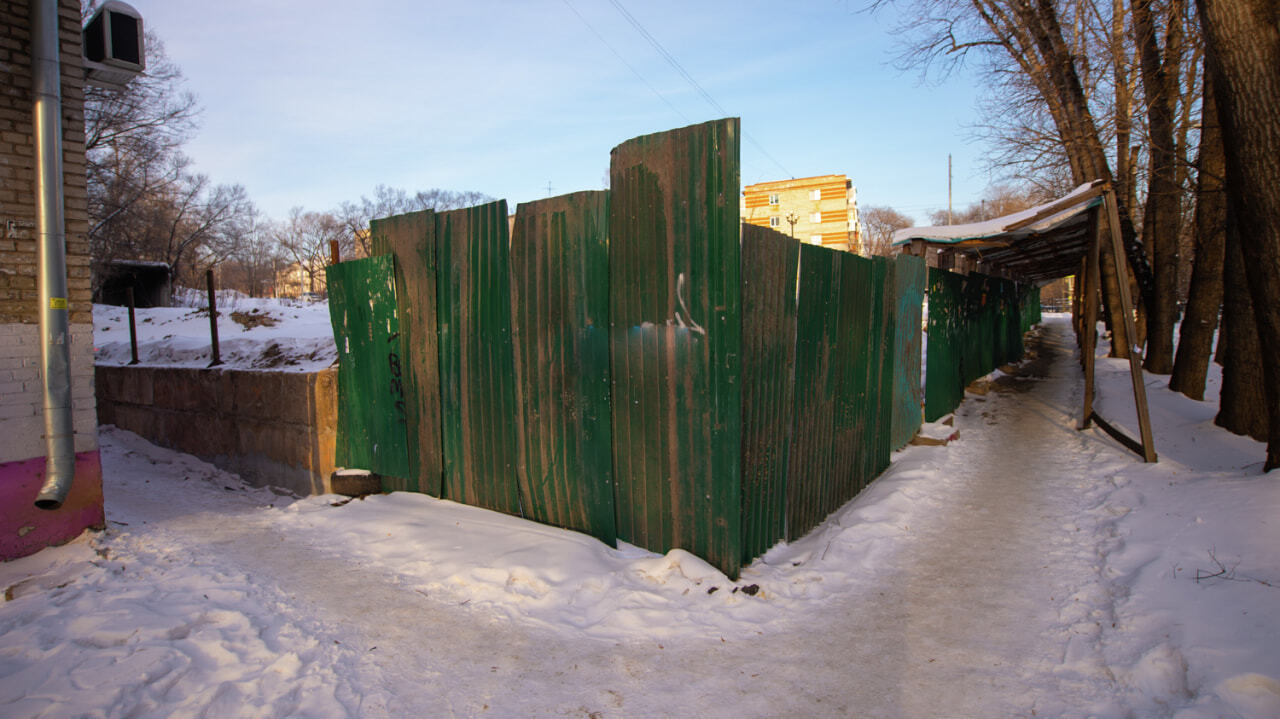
(272, 428)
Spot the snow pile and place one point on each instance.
(1023, 569)
(253, 333)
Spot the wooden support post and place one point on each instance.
(334, 255)
(1126, 306)
(1089, 323)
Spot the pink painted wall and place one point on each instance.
(26, 530)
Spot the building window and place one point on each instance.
(773, 199)
(775, 221)
(816, 239)
(815, 217)
(815, 194)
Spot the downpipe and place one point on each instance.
(51, 231)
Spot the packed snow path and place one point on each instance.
(986, 578)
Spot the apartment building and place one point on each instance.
(821, 210)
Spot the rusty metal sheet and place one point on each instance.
(477, 371)
(411, 238)
(676, 341)
(769, 263)
(560, 311)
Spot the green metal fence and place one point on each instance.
(975, 325)
(910, 274)
(633, 364)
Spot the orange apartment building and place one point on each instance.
(821, 210)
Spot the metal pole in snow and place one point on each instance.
(133, 329)
(213, 319)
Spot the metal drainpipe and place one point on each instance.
(51, 229)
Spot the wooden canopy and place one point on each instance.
(1043, 243)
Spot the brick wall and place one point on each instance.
(24, 529)
(272, 428)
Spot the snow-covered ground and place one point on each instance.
(1025, 569)
(277, 334)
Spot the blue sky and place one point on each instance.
(313, 103)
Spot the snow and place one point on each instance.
(253, 333)
(996, 225)
(1023, 569)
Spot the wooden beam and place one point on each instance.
(1126, 306)
(1089, 326)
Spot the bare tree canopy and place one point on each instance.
(880, 223)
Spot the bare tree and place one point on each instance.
(389, 201)
(1242, 50)
(303, 239)
(881, 222)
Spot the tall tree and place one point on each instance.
(880, 222)
(1204, 301)
(1162, 217)
(1242, 49)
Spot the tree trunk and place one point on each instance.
(1204, 302)
(1242, 39)
(1163, 214)
(1242, 408)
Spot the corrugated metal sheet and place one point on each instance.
(560, 310)
(372, 413)
(769, 263)
(412, 239)
(811, 468)
(909, 281)
(477, 371)
(885, 313)
(676, 341)
(855, 387)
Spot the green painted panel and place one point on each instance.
(412, 239)
(944, 386)
(769, 263)
(560, 309)
(886, 313)
(372, 412)
(811, 460)
(855, 387)
(477, 371)
(675, 341)
(910, 274)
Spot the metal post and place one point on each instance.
(133, 329)
(213, 319)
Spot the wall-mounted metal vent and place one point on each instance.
(113, 45)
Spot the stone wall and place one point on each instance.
(272, 428)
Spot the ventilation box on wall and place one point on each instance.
(113, 45)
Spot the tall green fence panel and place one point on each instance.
(411, 238)
(944, 383)
(477, 370)
(560, 312)
(676, 341)
(372, 409)
(811, 466)
(769, 263)
(884, 312)
(910, 274)
(855, 390)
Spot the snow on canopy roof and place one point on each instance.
(948, 234)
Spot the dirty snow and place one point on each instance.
(253, 333)
(1024, 569)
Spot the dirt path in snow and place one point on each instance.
(945, 637)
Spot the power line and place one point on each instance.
(689, 78)
(624, 62)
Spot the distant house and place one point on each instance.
(821, 210)
(297, 279)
